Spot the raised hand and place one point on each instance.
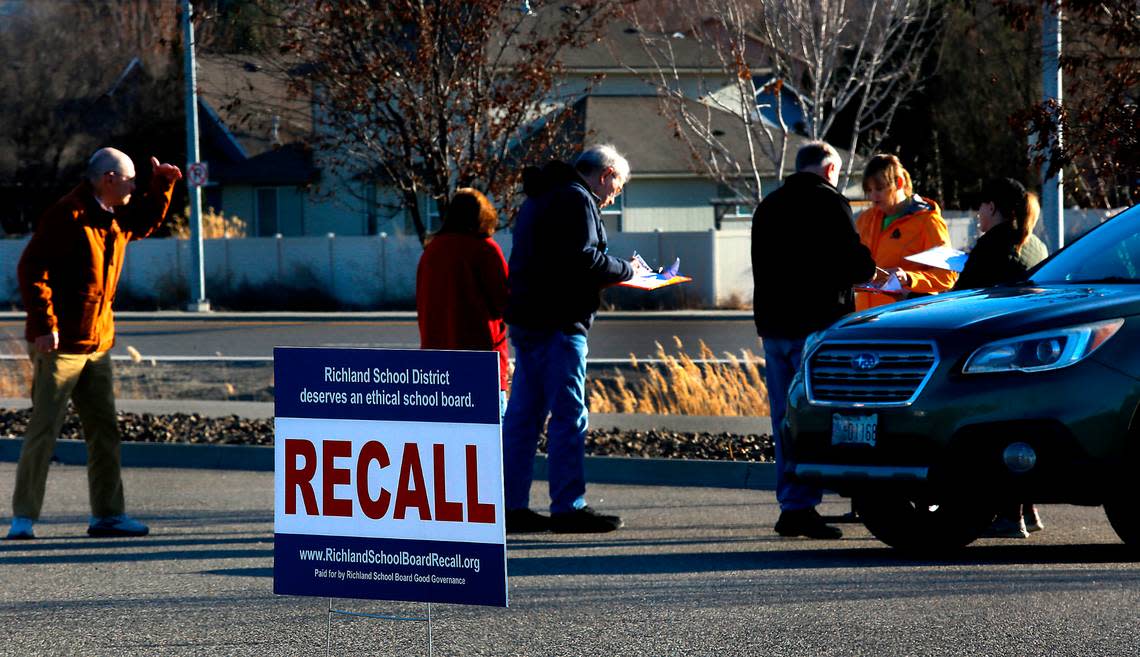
(167, 172)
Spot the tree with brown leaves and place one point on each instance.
(1098, 116)
(425, 96)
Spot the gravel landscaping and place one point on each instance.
(234, 430)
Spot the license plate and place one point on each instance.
(854, 429)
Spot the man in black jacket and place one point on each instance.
(806, 256)
(557, 270)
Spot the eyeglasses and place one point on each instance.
(119, 175)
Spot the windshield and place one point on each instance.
(1108, 253)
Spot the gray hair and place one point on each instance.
(107, 159)
(816, 154)
(602, 156)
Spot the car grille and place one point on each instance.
(869, 373)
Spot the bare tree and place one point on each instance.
(429, 95)
(113, 81)
(863, 56)
(703, 55)
(854, 61)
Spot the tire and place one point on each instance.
(1125, 521)
(921, 526)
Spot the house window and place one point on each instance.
(267, 225)
(430, 210)
(371, 216)
(611, 216)
(732, 209)
(433, 223)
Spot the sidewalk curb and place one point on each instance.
(380, 315)
(599, 469)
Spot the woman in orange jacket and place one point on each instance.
(900, 223)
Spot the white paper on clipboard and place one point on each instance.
(942, 257)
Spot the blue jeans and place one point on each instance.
(550, 379)
(783, 361)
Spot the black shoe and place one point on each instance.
(806, 522)
(116, 527)
(525, 521)
(583, 521)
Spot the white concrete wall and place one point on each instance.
(733, 254)
(376, 271)
(661, 248)
(10, 251)
(963, 228)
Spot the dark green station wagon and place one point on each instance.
(931, 413)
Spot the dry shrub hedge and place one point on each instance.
(681, 385)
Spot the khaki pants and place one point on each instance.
(87, 380)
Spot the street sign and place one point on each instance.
(198, 174)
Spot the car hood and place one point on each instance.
(999, 310)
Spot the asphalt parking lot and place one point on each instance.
(697, 571)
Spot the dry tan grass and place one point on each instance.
(681, 386)
(215, 225)
(15, 378)
(15, 373)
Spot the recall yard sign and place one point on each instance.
(388, 475)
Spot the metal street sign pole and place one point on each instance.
(1052, 189)
(198, 301)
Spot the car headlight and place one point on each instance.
(1038, 352)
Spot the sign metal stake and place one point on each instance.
(360, 614)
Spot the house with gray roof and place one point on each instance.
(262, 172)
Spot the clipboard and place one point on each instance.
(646, 278)
(653, 281)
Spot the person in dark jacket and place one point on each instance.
(558, 267)
(1007, 247)
(1004, 253)
(68, 275)
(806, 220)
(461, 282)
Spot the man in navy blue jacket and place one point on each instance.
(797, 294)
(558, 268)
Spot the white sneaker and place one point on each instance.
(21, 529)
(1033, 522)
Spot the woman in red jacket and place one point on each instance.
(461, 282)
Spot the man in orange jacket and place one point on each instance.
(68, 274)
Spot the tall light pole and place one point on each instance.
(198, 301)
(1052, 188)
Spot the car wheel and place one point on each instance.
(1125, 520)
(922, 526)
